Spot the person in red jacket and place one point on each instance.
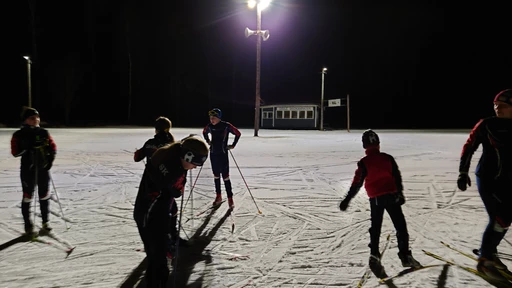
(37, 150)
(493, 179)
(382, 180)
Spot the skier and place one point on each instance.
(219, 147)
(37, 150)
(493, 178)
(163, 181)
(161, 138)
(382, 180)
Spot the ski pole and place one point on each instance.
(58, 201)
(193, 186)
(177, 243)
(259, 211)
(34, 165)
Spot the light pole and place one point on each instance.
(260, 5)
(29, 81)
(324, 71)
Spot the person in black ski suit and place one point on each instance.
(219, 147)
(37, 150)
(382, 180)
(163, 181)
(162, 137)
(493, 178)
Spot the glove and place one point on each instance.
(48, 166)
(49, 162)
(344, 204)
(463, 181)
(231, 147)
(401, 198)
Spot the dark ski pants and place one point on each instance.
(397, 216)
(29, 180)
(220, 167)
(497, 199)
(173, 220)
(154, 236)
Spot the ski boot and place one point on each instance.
(408, 260)
(217, 200)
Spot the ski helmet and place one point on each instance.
(215, 112)
(194, 150)
(504, 96)
(370, 138)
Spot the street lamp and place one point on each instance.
(324, 71)
(262, 34)
(29, 81)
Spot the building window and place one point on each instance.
(286, 114)
(302, 114)
(295, 114)
(279, 114)
(309, 114)
(267, 115)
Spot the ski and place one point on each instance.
(460, 251)
(35, 237)
(368, 271)
(232, 256)
(504, 256)
(408, 271)
(55, 237)
(506, 273)
(210, 208)
(470, 270)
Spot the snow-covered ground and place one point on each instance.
(300, 239)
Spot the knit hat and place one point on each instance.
(370, 138)
(28, 112)
(504, 96)
(215, 112)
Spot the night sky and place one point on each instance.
(405, 64)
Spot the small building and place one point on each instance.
(290, 116)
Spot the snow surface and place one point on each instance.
(300, 239)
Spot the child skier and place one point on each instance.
(219, 152)
(37, 150)
(382, 180)
(161, 138)
(163, 181)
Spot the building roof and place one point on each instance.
(290, 105)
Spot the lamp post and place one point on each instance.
(324, 71)
(29, 62)
(260, 5)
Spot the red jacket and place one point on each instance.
(378, 172)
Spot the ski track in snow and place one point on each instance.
(301, 239)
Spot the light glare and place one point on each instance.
(251, 3)
(264, 4)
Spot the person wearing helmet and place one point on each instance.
(219, 147)
(163, 181)
(493, 178)
(162, 137)
(37, 150)
(382, 180)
